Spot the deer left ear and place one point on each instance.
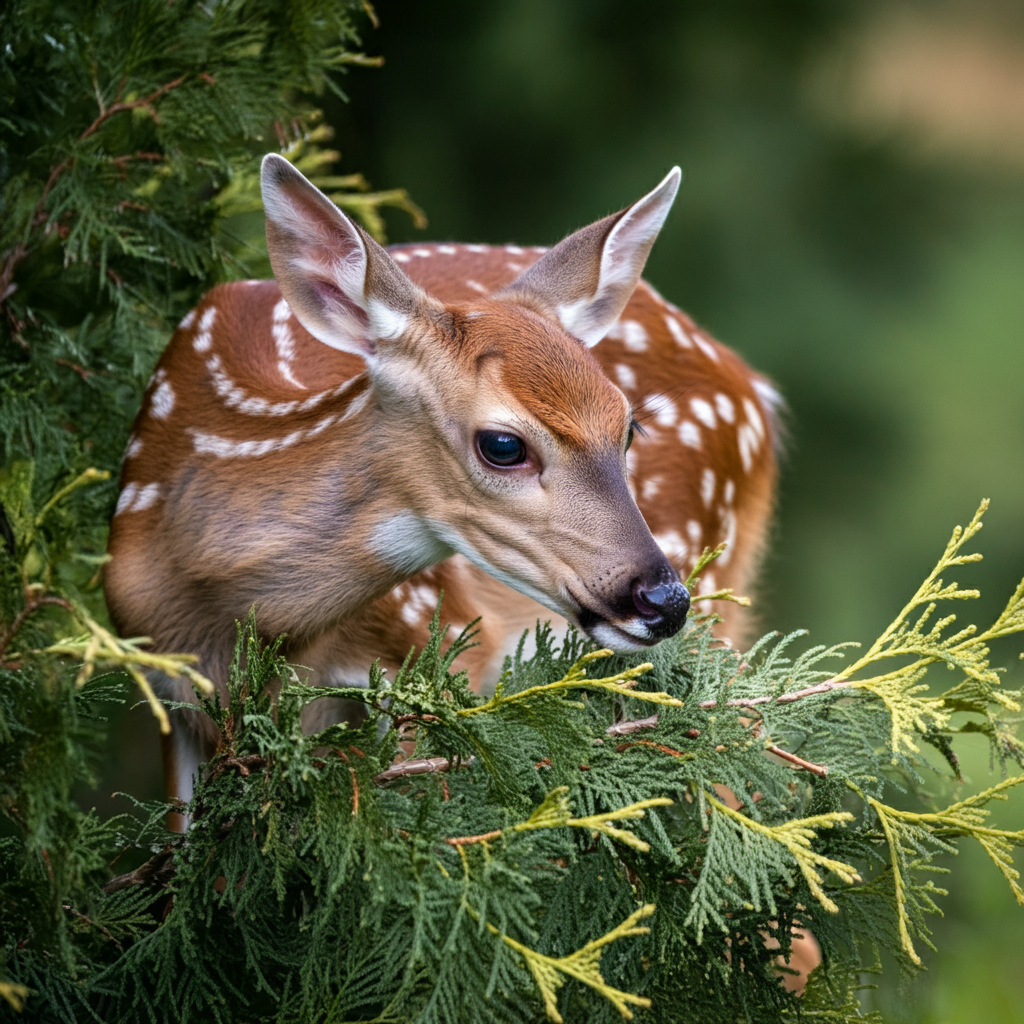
(586, 280)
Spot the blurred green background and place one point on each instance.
(851, 221)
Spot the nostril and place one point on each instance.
(669, 601)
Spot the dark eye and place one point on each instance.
(634, 429)
(500, 449)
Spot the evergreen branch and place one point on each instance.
(88, 476)
(966, 818)
(1011, 619)
(575, 679)
(723, 595)
(101, 647)
(897, 639)
(796, 837)
(707, 556)
(897, 857)
(119, 107)
(555, 812)
(583, 965)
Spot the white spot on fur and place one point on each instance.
(680, 336)
(187, 321)
(476, 286)
(514, 266)
(650, 488)
(282, 311)
(204, 338)
(666, 413)
(162, 402)
(626, 377)
(689, 434)
(423, 253)
(148, 495)
(748, 443)
(729, 492)
(754, 417)
(125, 498)
(448, 250)
(696, 534)
(476, 248)
(707, 487)
(723, 403)
(135, 499)
(729, 523)
(707, 583)
(538, 248)
(419, 605)
(706, 347)
(401, 257)
(634, 336)
(514, 250)
(703, 411)
(134, 447)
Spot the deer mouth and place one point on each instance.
(624, 637)
(658, 613)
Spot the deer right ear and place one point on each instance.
(586, 280)
(340, 284)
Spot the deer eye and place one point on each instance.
(500, 449)
(634, 429)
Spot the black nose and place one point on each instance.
(663, 606)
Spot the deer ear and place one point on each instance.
(340, 284)
(586, 280)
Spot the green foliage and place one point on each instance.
(129, 138)
(551, 852)
(563, 849)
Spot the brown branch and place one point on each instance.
(785, 698)
(18, 253)
(798, 762)
(80, 915)
(32, 606)
(159, 869)
(419, 766)
(629, 727)
(626, 728)
(650, 743)
(146, 102)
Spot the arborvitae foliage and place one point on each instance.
(560, 850)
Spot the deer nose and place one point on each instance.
(663, 606)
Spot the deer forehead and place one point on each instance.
(524, 362)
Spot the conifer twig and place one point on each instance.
(576, 678)
(583, 965)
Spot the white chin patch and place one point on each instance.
(611, 636)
